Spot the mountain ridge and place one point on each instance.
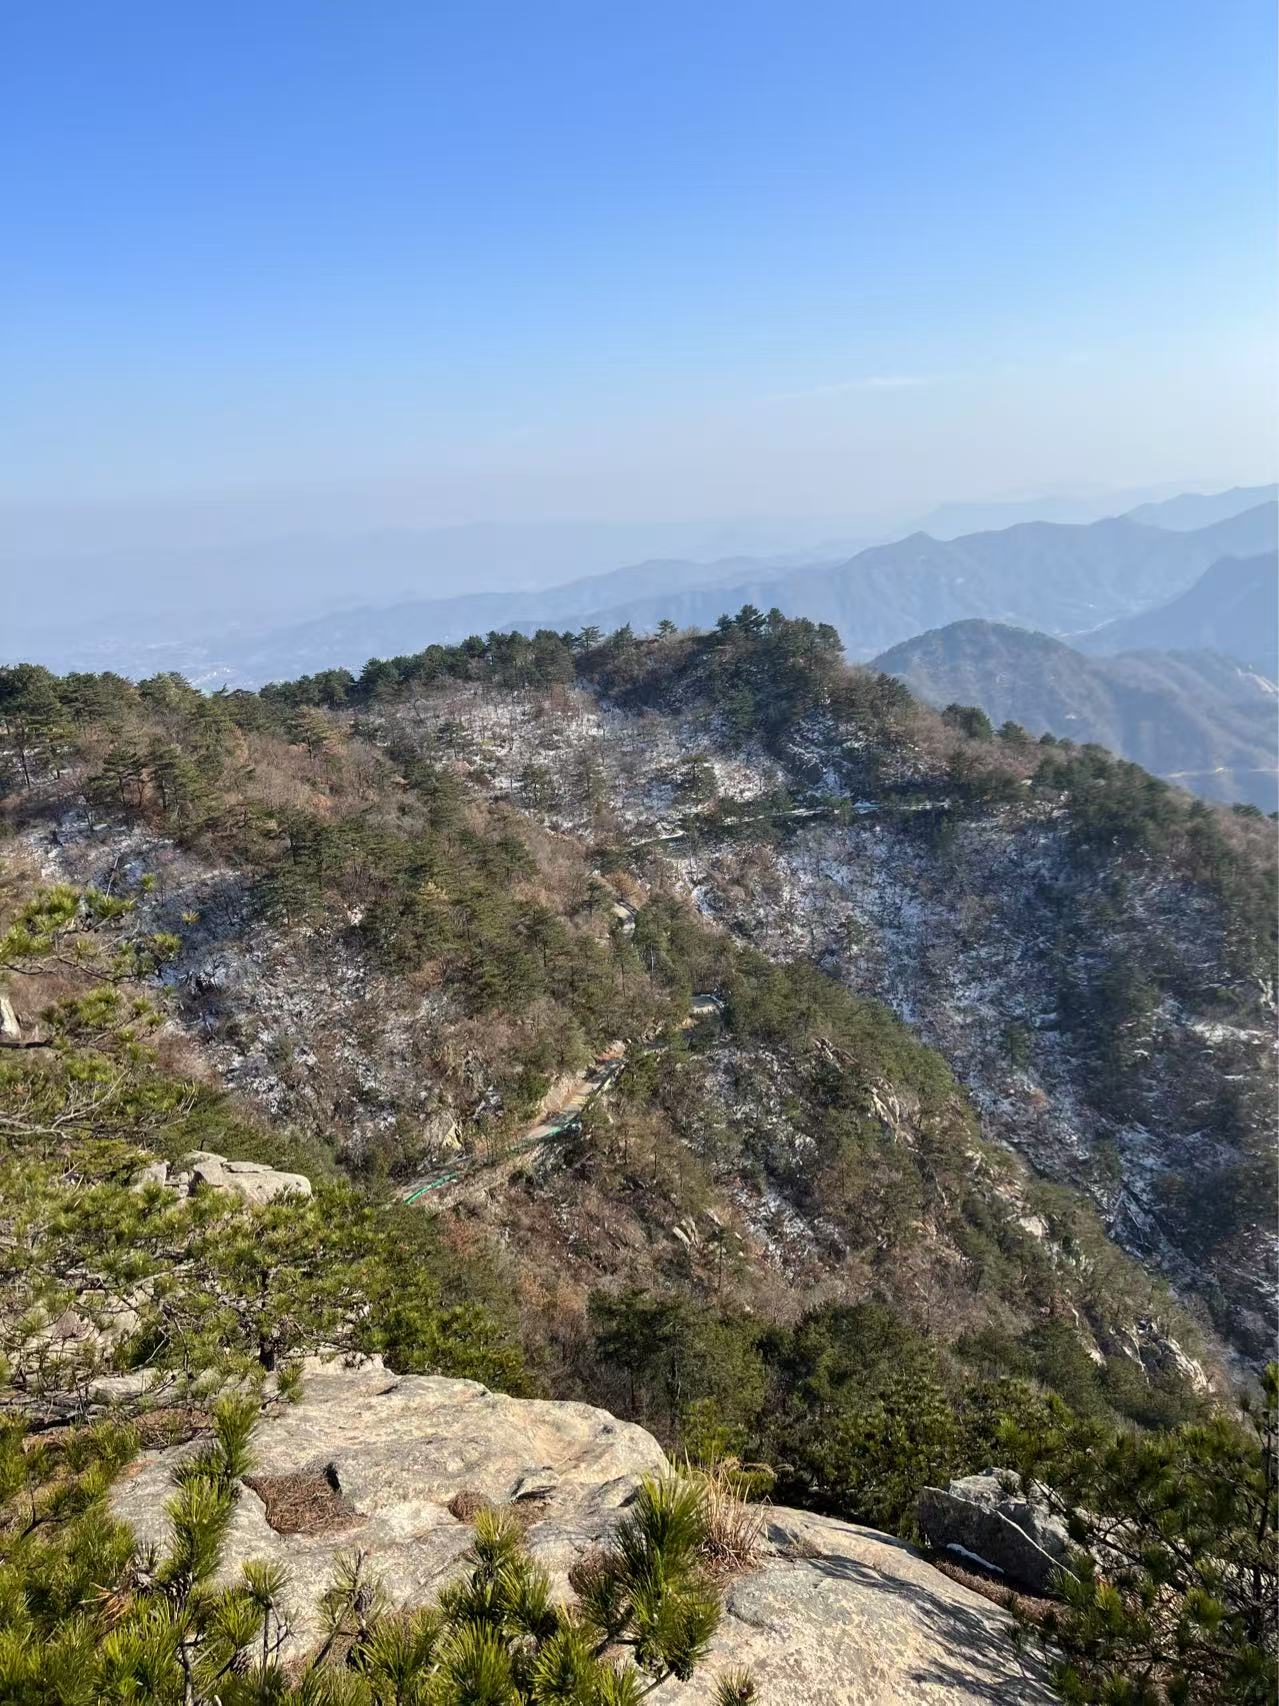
(853, 594)
(941, 1118)
(1079, 575)
(1056, 576)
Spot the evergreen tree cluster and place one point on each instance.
(104, 1270)
(1172, 1598)
(853, 1409)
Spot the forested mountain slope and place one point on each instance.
(391, 959)
(693, 1025)
(1089, 949)
(890, 1021)
(394, 898)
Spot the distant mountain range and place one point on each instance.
(1195, 717)
(1233, 608)
(1190, 510)
(1182, 512)
(1064, 578)
(1056, 577)
(1045, 575)
(69, 598)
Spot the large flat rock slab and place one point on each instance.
(399, 1450)
(838, 1615)
(833, 1614)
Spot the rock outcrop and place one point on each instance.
(12, 1032)
(839, 1615)
(1015, 1535)
(400, 1451)
(832, 1615)
(252, 1180)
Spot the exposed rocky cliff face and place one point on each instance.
(1096, 1007)
(965, 949)
(990, 942)
(831, 1615)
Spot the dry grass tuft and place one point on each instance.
(170, 1425)
(799, 1550)
(468, 1504)
(734, 1529)
(304, 1502)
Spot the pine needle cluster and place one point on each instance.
(89, 1617)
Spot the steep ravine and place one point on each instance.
(961, 953)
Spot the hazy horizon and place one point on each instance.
(294, 270)
(244, 515)
(311, 311)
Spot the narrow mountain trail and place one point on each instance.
(682, 831)
(575, 1097)
(581, 1090)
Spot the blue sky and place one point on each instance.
(607, 260)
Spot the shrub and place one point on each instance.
(1173, 1595)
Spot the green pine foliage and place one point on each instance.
(85, 932)
(854, 1410)
(88, 1617)
(99, 1276)
(347, 805)
(102, 1273)
(1173, 1596)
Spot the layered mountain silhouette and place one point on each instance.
(1051, 576)
(1061, 578)
(1043, 575)
(1182, 511)
(1196, 717)
(1189, 510)
(1233, 607)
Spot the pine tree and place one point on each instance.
(122, 777)
(175, 780)
(33, 717)
(1171, 1599)
(538, 787)
(310, 728)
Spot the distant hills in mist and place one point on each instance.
(1197, 717)
(1232, 608)
(1024, 618)
(239, 593)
